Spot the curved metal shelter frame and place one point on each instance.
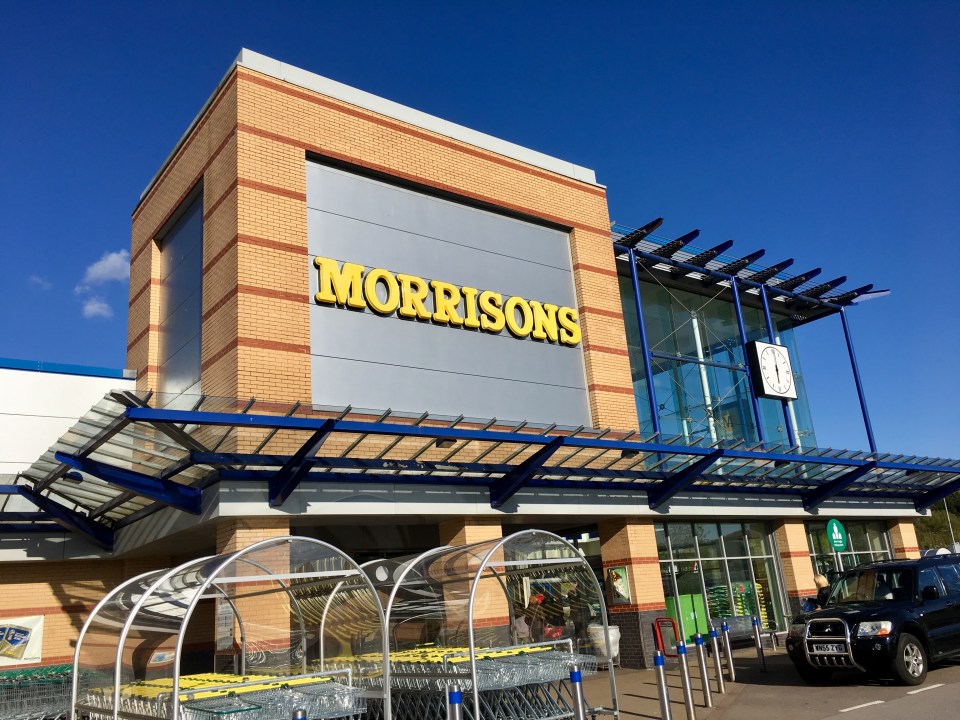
(466, 600)
(138, 640)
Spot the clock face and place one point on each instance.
(772, 374)
(775, 367)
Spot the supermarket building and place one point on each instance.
(358, 322)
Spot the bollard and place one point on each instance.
(662, 690)
(299, 715)
(717, 660)
(685, 680)
(728, 651)
(704, 673)
(758, 641)
(455, 703)
(576, 682)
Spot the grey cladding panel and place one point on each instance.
(342, 193)
(365, 360)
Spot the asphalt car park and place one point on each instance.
(781, 693)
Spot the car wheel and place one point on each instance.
(812, 675)
(910, 663)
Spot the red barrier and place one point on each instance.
(670, 624)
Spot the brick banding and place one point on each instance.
(175, 206)
(220, 200)
(183, 148)
(141, 335)
(587, 310)
(602, 349)
(141, 291)
(594, 269)
(419, 179)
(459, 146)
(610, 388)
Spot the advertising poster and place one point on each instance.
(21, 640)
(619, 586)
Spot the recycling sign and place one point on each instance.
(836, 535)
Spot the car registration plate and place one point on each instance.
(829, 648)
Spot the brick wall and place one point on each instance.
(64, 593)
(249, 152)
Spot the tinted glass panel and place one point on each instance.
(950, 575)
(929, 578)
(733, 539)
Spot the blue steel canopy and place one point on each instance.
(799, 296)
(131, 456)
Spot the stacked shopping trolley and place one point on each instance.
(35, 694)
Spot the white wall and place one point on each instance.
(36, 408)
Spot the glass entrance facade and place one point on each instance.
(698, 365)
(867, 541)
(714, 571)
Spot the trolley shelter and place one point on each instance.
(504, 620)
(291, 623)
(232, 635)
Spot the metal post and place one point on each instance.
(662, 690)
(455, 703)
(685, 681)
(717, 660)
(953, 540)
(728, 651)
(704, 673)
(772, 336)
(758, 641)
(299, 715)
(746, 366)
(644, 346)
(576, 683)
(856, 378)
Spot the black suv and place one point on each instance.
(882, 618)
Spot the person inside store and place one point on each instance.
(535, 617)
(580, 614)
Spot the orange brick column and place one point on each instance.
(264, 607)
(795, 561)
(630, 543)
(903, 537)
(491, 616)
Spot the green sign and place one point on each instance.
(836, 535)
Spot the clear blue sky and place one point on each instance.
(828, 132)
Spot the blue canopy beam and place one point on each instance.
(70, 519)
(293, 471)
(181, 497)
(924, 502)
(815, 498)
(503, 489)
(661, 494)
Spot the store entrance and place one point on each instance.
(714, 572)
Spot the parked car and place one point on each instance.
(885, 618)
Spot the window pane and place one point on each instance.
(718, 589)
(817, 535)
(733, 539)
(708, 535)
(951, 578)
(681, 540)
(768, 595)
(741, 585)
(660, 532)
(876, 536)
(758, 535)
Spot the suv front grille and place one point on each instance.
(827, 644)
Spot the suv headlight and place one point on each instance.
(797, 629)
(874, 628)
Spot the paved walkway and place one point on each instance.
(637, 690)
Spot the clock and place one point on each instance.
(771, 372)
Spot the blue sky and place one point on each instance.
(825, 132)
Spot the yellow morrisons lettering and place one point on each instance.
(385, 293)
